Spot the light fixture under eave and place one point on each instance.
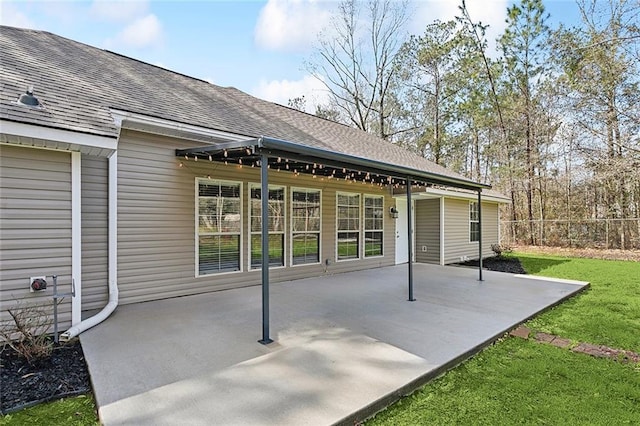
(27, 99)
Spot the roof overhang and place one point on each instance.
(299, 158)
(448, 193)
(31, 135)
(161, 126)
(456, 193)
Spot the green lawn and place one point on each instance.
(608, 313)
(76, 411)
(522, 382)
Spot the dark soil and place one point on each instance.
(62, 374)
(499, 264)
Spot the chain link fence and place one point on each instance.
(586, 233)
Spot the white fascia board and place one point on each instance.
(465, 196)
(57, 135)
(122, 117)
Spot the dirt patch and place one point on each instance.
(591, 253)
(62, 374)
(499, 264)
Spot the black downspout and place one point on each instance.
(480, 235)
(264, 198)
(410, 245)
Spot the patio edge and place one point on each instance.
(381, 404)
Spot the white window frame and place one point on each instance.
(471, 205)
(197, 227)
(250, 233)
(364, 226)
(291, 191)
(359, 230)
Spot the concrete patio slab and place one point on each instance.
(346, 345)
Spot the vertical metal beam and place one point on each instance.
(264, 198)
(480, 235)
(410, 245)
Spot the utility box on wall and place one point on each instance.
(37, 284)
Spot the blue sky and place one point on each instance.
(257, 46)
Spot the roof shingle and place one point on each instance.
(78, 84)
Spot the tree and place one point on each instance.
(524, 45)
(602, 76)
(299, 103)
(355, 59)
(428, 68)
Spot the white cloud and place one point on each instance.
(143, 32)
(13, 17)
(290, 24)
(280, 91)
(118, 11)
(491, 12)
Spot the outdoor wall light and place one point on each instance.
(393, 212)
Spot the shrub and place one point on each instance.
(26, 331)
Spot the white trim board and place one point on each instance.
(73, 140)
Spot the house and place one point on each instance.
(131, 183)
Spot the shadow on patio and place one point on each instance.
(346, 345)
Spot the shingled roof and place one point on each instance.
(78, 85)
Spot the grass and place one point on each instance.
(80, 410)
(608, 313)
(522, 382)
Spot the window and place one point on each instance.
(276, 226)
(305, 226)
(348, 227)
(373, 225)
(474, 223)
(218, 226)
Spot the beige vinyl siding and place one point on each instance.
(428, 230)
(489, 228)
(456, 230)
(95, 217)
(35, 226)
(156, 221)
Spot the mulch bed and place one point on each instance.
(62, 374)
(498, 264)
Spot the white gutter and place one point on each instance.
(125, 119)
(113, 259)
(72, 138)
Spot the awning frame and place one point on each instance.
(270, 153)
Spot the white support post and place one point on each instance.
(76, 238)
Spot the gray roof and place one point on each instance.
(78, 84)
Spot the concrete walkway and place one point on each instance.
(346, 346)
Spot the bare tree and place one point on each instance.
(355, 59)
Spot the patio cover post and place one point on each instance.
(264, 222)
(480, 235)
(410, 232)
